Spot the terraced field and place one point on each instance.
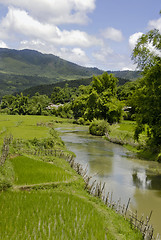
(43, 197)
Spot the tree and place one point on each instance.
(99, 101)
(147, 98)
(19, 105)
(147, 102)
(105, 82)
(147, 50)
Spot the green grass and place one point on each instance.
(6, 175)
(50, 215)
(124, 131)
(53, 203)
(55, 215)
(25, 127)
(30, 171)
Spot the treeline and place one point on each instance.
(48, 88)
(23, 105)
(11, 83)
(100, 99)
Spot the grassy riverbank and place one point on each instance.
(44, 197)
(123, 133)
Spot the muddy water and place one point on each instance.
(125, 175)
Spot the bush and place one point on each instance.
(4, 184)
(99, 127)
(81, 121)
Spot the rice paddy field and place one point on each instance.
(44, 198)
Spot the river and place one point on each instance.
(125, 175)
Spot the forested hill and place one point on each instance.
(131, 75)
(33, 63)
(23, 69)
(47, 89)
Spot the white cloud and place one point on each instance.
(108, 59)
(134, 38)
(3, 44)
(35, 45)
(55, 11)
(102, 54)
(32, 28)
(155, 24)
(112, 34)
(76, 55)
(127, 69)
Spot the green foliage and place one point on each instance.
(99, 127)
(147, 103)
(146, 51)
(100, 101)
(75, 84)
(23, 105)
(125, 91)
(62, 95)
(81, 121)
(146, 99)
(14, 83)
(4, 185)
(104, 82)
(126, 74)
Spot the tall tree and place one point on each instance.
(147, 51)
(147, 98)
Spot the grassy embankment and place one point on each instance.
(46, 198)
(123, 133)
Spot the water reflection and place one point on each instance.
(142, 180)
(124, 175)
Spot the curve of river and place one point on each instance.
(125, 176)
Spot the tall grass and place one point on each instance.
(124, 132)
(30, 171)
(49, 215)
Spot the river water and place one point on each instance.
(125, 175)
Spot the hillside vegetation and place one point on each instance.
(23, 69)
(26, 68)
(47, 89)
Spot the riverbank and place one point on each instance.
(46, 197)
(123, 133)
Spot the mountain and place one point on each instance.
(33, 63)
(22, 69)
(131, 75)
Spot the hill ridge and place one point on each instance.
(22, 69)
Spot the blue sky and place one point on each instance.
(92, 33)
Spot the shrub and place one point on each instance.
(4, 184)
(81, 121)
(99, 127)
